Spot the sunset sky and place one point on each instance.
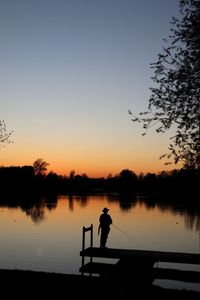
(70, 71)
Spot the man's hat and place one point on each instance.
(105, 209)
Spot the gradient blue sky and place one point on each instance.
(70, 70)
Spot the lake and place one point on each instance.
(47, 236)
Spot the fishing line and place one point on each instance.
(130, 237)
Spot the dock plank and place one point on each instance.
(114, 253)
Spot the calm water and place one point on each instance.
(48, 237)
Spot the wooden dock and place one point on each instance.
(136, 263)
(113, 253)
(134, 260)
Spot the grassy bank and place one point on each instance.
(26, 284)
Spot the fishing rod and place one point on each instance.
(130, 237)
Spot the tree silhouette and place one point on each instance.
(4, 134)
(40, 166)
(175, 98)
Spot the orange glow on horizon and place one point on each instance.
(97, 172)
(93, 164)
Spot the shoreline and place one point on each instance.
(23, 283)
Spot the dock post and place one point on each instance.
(91, 241)
(85, 229)
(83, 246)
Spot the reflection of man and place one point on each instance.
(104, 225)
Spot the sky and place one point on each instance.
(70, 71)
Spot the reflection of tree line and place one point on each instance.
(36, 208)
(178, 205)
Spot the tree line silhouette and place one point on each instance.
(23, 180)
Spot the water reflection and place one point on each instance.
(126, 201)
(36, 207)
(44, 233)
(191, 214)
(36, 212)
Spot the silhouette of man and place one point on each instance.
(105, 221)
